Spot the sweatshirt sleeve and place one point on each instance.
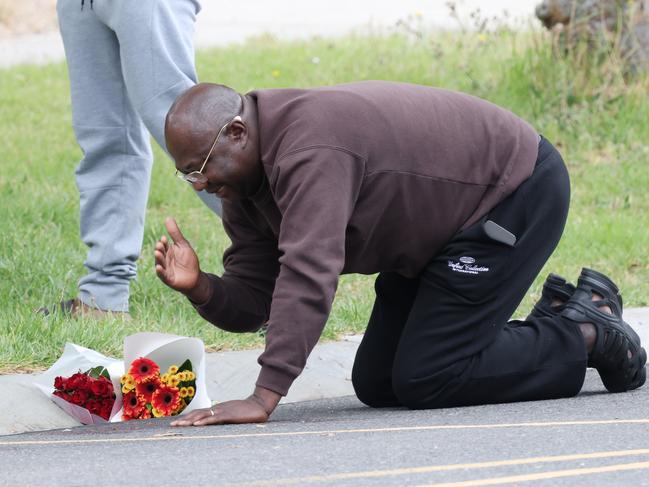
(241, 298)
(315, 190)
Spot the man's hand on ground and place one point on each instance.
(176, 264)
(255, 409)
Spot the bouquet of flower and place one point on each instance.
(91, 390)
(85, 396)
(148, 393)
(136, 385)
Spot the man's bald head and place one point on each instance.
(213, 131)
(200, 111)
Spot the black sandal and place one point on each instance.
(615, 338)
(555, 288)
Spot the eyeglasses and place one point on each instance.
(198, 176)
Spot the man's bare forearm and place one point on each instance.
(266, 398)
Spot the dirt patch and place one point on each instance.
(19, 18)
(21, 370)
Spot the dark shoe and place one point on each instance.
(615, 338)
(555, 288)
(74, 308)
(64, 307)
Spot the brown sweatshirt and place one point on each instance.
(363, 177)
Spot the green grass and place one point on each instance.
(598, 119)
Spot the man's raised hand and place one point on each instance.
(176, 263)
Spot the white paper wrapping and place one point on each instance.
(80, 359)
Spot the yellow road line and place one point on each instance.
(332, 432)
(451, 467)
(555, 474)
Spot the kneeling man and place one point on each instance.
(454, 202)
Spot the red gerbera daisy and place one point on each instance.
(146, 414)
(143, 369)
(166, 400)
(147, 388)
(133, 406)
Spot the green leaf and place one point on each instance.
(186, 365)
(97, 372)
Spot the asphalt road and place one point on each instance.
(595, 439)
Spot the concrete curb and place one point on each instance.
(230, 375)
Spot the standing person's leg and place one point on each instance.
(157, 54)
(113, 175)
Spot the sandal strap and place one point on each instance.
(629, 376)
(614, 340)
(555, 288)
(597, 283)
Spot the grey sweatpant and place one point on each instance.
(128, 61)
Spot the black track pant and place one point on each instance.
(443, 339)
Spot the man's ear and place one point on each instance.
(238, 131)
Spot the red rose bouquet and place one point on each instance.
(91, 390)
(149, 394)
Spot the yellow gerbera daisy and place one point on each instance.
(172, 370)
(173, 381)
(191, 375)
(128, 383)
(184, 392)
(191, 391)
